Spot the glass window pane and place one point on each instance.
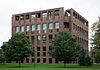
(56, 25)
(27, 28)
(44, 26)
(33, 27)
(44, 48)
(38, 37)
(44, 37)
(38, 27)
(22, 28)
(50, 25)
(17, 29)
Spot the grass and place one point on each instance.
(47, 67)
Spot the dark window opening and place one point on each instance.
(27, 60)
(38, 15)
(44, 53)
(50, 48)
(21, 61)
(32, 38)
(38, 48)
(66, 25)
(16, 17)
(32, 60)
(38, 60)
(44, 48)
(44, 60)
(50, 60)
(27, 16)
(50, 37)
(56, 61)
(38, 54)
(57, 30)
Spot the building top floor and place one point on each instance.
(50, 13)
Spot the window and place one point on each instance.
(38, 48)
(66, 25)
(17, 29)
(33, 27)
(50, 48)
(22, 28)
(38, 60)
(38, 15)
(38, 38)
(27, 60)
(27, 28)
(44, 60)
(38, 26)
(38, 54)
(50, 37)
(50, 13)
(50, 25)
(22, 17)
(44, 48)
(32, 60)
(16, 17)
(56, 25)
(44, 53)
(44, 37)
(21, 61)
(27, 16)
(44, 26)
(32, 38)
(50, 60)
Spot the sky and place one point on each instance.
(90, 9)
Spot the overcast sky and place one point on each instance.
(90, 9)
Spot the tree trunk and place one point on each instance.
(19, 63)
(65, 63)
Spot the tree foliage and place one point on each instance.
(96, 41)
(18, 48)
(64, 47)
(97, 55)
(2, 57)
(84, 59)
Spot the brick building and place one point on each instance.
(41, 26)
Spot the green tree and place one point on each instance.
(84, 59)
(18, 48)
(2, 57)
(97, 55)
(96, 41)
(64, 47)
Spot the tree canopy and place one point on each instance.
(2, 57)
(19, 47)
(64, 47)
(96, 41)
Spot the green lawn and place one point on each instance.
(47, 67)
